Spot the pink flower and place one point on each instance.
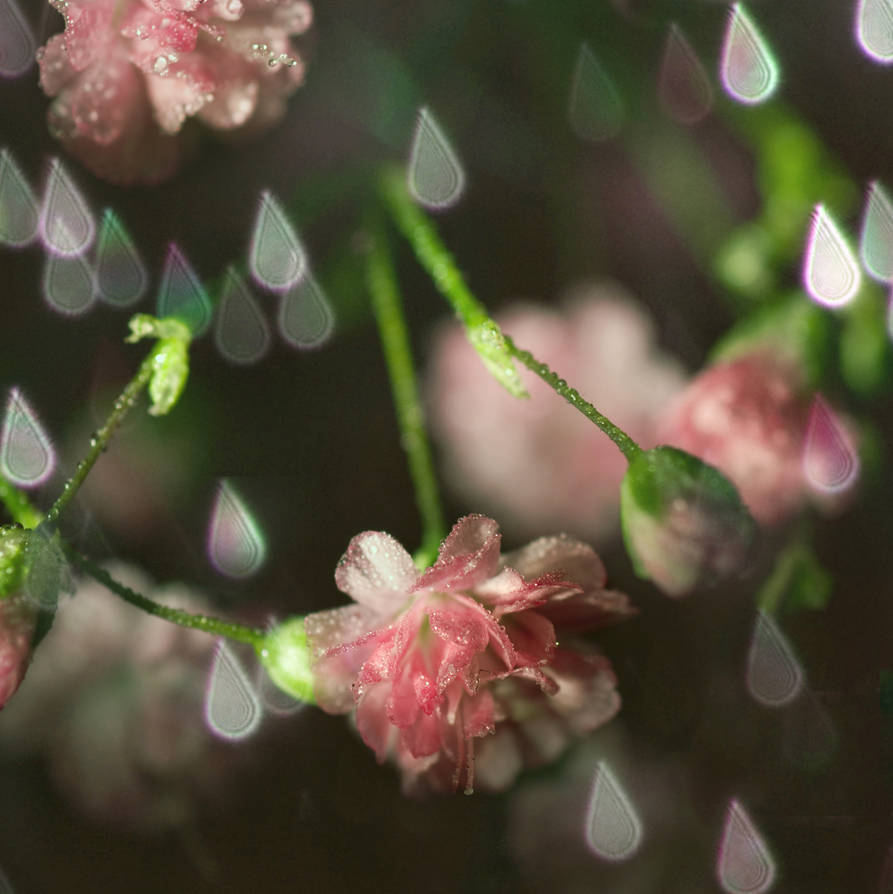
(539, 463)
(126, 74)
(466, 650)
(18, 617)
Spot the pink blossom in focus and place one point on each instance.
(539, 463)
(18, 617)
(467, 650)
(126, 74)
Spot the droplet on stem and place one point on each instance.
(683, 87)
(66, 223)
(19, 219)
(276, 256)
(121, 277)
(181, 293)
(874, 29)
(435, 177)
(612, 828)
(305, 316)
(232, 709)
(236, 544)
(830, 271)
(68, 284)
(830, 461)
(595, 109)
(241, 331)
(747, 66)
(27, 457)
(774, 676)
(876, 239)
(744, 864)
(17, 47)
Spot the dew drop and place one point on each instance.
(181, 293)
(595, 109)
(435, 176)
(232, 709)
(876, 240)
(774, 676)
(612, 830)
(809, 739)
(874, 29)
(121, 277)
(27, 457)
(18, 208)
(747, 67)
(236, 544)
(305, 317)
(276, 256)
(830, 462)
(744, 864)
(684, 90)
(830, 272)
(241, 331)
(17, 47)
(66, 222)
(68, 284)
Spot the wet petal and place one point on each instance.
(376, 572)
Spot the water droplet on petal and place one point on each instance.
(18, 207)
(809, 739)
(241, 331)
(744, 864)
(27, 457)
(595, 109)
(68, 284)
(613, 830)
(874, 29)
(232, 709)
(17, 45)
(876, 239)
(305, 317)
(276, 256)
(830, 272)
(181, 293)
(774, 676)
(121, 277)
(236, 544)
(830, 462)
(435, 176)
(66, 222)
(747, 66)
(684, 90)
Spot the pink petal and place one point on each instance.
(533, 637)
(55, 67)
(372, 720)
(376, 572)
(338, 626)
(574, 560)
(424, 737)
(469, 555)
(509, 592)
(588, 611)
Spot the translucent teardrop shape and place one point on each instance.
(19, 220)
(809, 739)
(612, 829)
(48, 575)
(595, 109)
(684, 90)
(66, 222)
(27, 457)
(241, 331)
(747, 67)
(121, 277)
(68, 284)
(232, 709)
(830, 462)
(17, 47)
(435, 176)
(181, 293)
(874, 29)
(876, 238)
(744, 864)
(830, 272)
(774, 676)
(274, 699)
(236, 544)
(276, 256)
(305, 317)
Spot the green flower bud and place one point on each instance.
(170, 362)
(487, 339)
(286, 657)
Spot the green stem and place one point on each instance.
(18, 505)
(388, 310)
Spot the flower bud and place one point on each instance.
(18, 614)
(285, 655)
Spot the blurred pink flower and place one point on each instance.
(539, 463)
(466, 650)
(18, 617)
(126, 74)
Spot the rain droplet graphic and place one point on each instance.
(276, 256)
(232, 709)
(48, 574)
(68, 284)
(876, 239)
(236, 544)
(830, 272)
(830, 462)
(181, 293)
(274, 699)
(595, 109)
(121, 277)
(874, 29)
(809, 738)
(774, 676)
(435, 176)
(17, 47)
(19, 219)
(612, 829)
(747, 67)
(66, 223)
(744, 864)
(241, 331)
(684, 90)
(27, 457)
(305, 317)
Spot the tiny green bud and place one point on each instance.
(170, 361)
(286, 657)
(487, 339)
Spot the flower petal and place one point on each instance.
(577, 561)
(468, 556)
(376, 572)
(372, 720)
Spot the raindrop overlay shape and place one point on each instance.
(121, 277)
(66, 222)
(435, 176)
(874, 29)
(305, 316)
(876, 238)
(27, 457)
(830, 461)
(612, 830)
(276, 257)
(774, 675)
(744, 864)
(48, 573)
(747, 66)
(17, 47)
(232, 709)
(809, 739)
(19, 220)
(236, 544)
(683, 87)
(241, 331)
(830, 272)
(68, 284)
(181, 293)
(595, 109)
(275, 701)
